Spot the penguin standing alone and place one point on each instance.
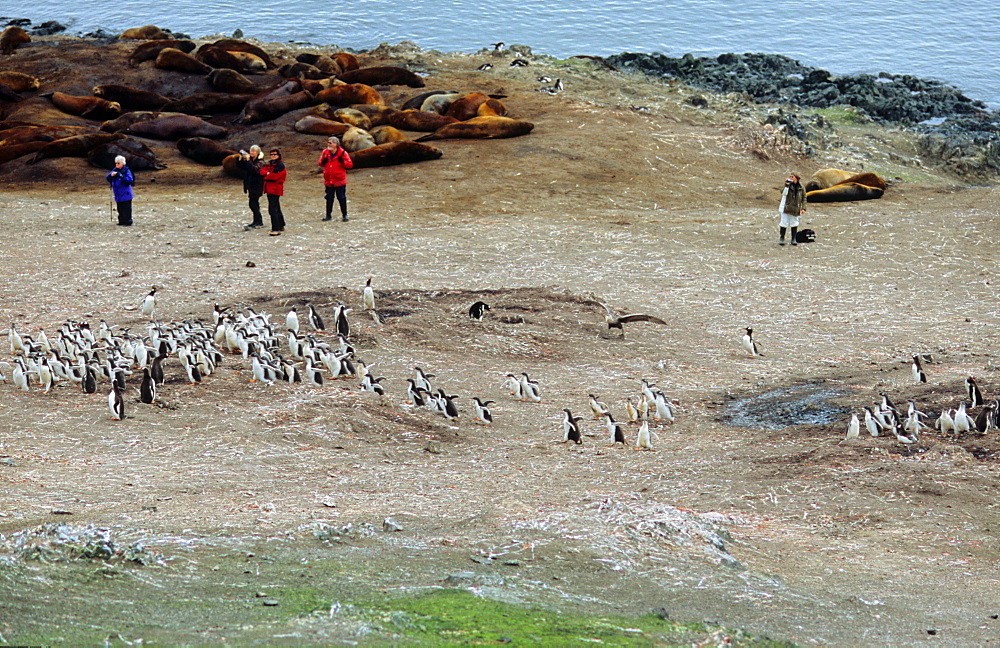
(368, 295)
(749, 344)
(148, 303)
(918, 372)
(116, 403)
(478, 310)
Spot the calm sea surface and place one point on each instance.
(957, 42)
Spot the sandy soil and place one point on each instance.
(623, 193)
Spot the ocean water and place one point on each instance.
(956, 42)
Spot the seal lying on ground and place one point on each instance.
(481, 128)
(149, 51)
(203, 150)
(313, 125)
(12, 38)
(130, 98)
(75, 146)
(393, 153)
(175, 127)
(178, 61)
(86, 106)
(140, 157)
(18, 81)
(844, 192)
(351, 93)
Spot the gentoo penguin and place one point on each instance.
(530, 390)
(482, 409)
(614, 429)
(421, 379)
(368, 295)
(571, 428)
(853, 428)
(972, 389)
(963, 422)
(664, 410)
(156, 369)
(449, 409)
(908, 433)
(292, 321)
(116, 403)
(148, 303)
(597, 407)
(871, 424)
(413, 393)
(945, 423)
(520, 62)
(193, 372)
(313, 374)
(513, 385)
(918, 372)
(147, 390)
(617, 322)
(485, 67)
(21, 375)
(343, 326)
(315, 320)
(44, 375)
(89, 382)
(749, 344)
(478, 310)
(644, 442)
(16, 341)
(984, 420)
(258, 373)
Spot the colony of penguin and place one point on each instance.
(884, 418)
(79, 354)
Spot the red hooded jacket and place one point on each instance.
(274, 178)
(335, 166)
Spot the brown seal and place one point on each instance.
(415, 103)
(86, 106)
(354, 139)
(239, 61)
(130, 98)
(140, 157)
(18, 81)
(12, 38)
(386, 134)
(208, 103)
(281, 89)
(301, 71)
(466, 106)
(133, 117)
(383, 75)
(231, 166)
(10, 152)
(844, 192)
(313, 125)
(231, 81)
(346, 61)
(203, 150)
(6, 94)
(394, 153)
(275, 107)
(481, 128)
(317, 86)
(234, 45)
(378, 114)
(354, 117)
(352, 93)
(439, 103)
(75, 146)
(490, 107)
(825, 178)
(321, 62)
(175, 127)
(178, 61)
(38, 133)
(418, 120)
(149, 51)
(146, 32)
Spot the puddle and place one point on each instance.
(779, 408)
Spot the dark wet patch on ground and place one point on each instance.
(804, 404)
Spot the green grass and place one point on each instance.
(458, 618)
(842, 115)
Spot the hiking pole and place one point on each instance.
(111, 205)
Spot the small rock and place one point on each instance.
(460, 577)
(270, 602)
(433, 447)
(251, 264)
(390, 525)
(61, 512)
(260, 595)
(7, 462)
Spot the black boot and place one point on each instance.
(781, 235)
(794, 233)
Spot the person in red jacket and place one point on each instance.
(274, 187)
(335, 162)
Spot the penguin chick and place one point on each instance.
(644, 441)
(368, 295)
(853, 428)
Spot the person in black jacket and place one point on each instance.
(253, 182)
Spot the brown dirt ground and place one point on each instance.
(622, 192)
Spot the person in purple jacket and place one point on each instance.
(121, 180)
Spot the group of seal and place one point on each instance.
(343, 98)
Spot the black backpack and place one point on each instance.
(805, 236)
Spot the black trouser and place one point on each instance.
(340, 193)
(124, 212)
(254, 197)
(274, 211)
